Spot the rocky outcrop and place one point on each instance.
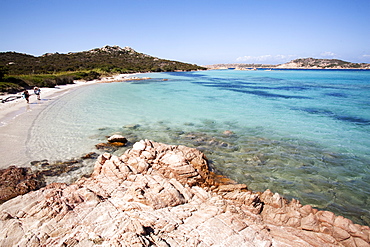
(163, 195)
(18, 181)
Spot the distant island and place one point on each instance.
(20, 71)
(301, 63)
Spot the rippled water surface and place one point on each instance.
(302, 133)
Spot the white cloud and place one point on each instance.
(266, 59)
(253, 58)
(364, 58)
(327, 54)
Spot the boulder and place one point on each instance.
(16, 181)
(117, 138)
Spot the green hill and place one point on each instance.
(51, 69)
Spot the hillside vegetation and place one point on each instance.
(19, 71)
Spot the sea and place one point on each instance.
(304, 134)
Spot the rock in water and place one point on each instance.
(163, 195)
(117, 138)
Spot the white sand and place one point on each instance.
(17, 117)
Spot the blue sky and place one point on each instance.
(200, 32)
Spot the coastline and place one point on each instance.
(288, 68)
(269, 218)
(16, 118)
(8, 110)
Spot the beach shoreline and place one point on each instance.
(9, 108)
(223, 150)
(17, 117)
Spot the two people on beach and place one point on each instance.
(26, 94)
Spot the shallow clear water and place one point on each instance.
(301, 133)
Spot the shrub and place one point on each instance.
(63, 80)
(16, 80)
(10, 87)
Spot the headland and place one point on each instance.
(301, 63)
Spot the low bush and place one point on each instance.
(20, 82)
(10, 87)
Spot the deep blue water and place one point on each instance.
(302, 133)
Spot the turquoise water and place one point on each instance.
(302, 133)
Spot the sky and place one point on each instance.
(199, 32)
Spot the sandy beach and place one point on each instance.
(17, 117)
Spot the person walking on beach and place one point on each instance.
(26, 95)
(37, 91)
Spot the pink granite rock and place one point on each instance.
(162, 195)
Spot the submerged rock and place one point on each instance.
(131, 126)
(64, 171)
(109, 147)
(228, 132)
(164, 195)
